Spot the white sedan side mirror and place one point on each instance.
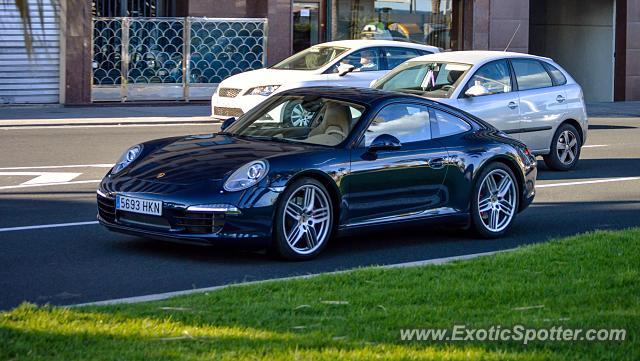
(344, 69)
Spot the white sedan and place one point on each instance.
(338, 63)
(529, 97)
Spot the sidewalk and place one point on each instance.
(101, 114)
(198, 113)
(614, 110)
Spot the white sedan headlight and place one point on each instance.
(264, 90)
(129, 156)
(247, 176)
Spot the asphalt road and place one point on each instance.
(86, 263)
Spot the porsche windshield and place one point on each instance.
(311, 59)
(432, 79)
(309, 119)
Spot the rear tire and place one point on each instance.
(495, 201)
(304, 220)
(565, 149)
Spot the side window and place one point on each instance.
(530, 74)
(407, 122)
(363, 60)
(447, 124)
(397, 56)
(494, 77)
(556, 74)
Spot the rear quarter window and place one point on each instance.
(556, 75)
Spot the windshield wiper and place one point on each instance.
(272, 138)
(411, 91)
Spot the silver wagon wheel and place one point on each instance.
(567, 147)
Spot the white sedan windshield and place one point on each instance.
(311, 59)
(432, 79)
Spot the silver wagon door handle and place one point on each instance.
(560, 99)
(512, 105)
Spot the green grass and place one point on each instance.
(587, 281)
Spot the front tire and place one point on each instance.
(304, 220)
(294, 115)
(495, 201)
(565, 149)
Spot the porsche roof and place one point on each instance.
(357, 95)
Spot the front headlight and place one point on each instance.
(129, 156)
(247, 176)
(264, 90)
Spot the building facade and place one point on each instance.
(597, 41)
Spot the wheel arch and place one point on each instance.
(513, 166)
(575, 124)
(329, 184)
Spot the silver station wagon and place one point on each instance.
(529, 97)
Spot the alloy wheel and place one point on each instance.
(300, 117)
(567, 147)
(307, 219)
(497, 199)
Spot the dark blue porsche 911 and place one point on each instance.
(366, 158)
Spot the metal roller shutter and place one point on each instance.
(25, 80)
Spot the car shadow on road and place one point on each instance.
(593, 168)
(380, 245)
(609, 127)
(221, 254)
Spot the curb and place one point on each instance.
(166, 295)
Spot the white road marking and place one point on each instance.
(595, 146)
(61, 166)
(42, 226)
(44, 177)
(28, 127)
(607, 180)
(50, 184)
(164, 296)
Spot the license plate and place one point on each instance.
(139, 205)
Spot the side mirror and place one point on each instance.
(344, 69)
(227, 122)
(384, 142)
(477, 90)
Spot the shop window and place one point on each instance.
(424, 21)
(133, 8)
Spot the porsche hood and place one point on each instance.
(198, 158)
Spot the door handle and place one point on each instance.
(436, 163)
(560, 99)
(512, 105)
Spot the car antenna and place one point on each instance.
(512, 37)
